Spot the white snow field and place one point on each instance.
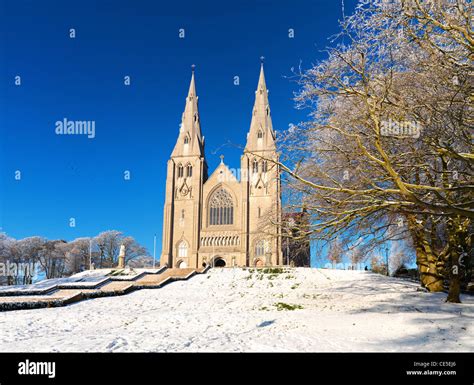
(302, 309)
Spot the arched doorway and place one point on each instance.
(219, 262)
(259, 263)
(182, 265)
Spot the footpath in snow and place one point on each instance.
(310, 310)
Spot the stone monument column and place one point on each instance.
(121, 258)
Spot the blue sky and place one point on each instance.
(71, 176)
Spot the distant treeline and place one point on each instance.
(22, 261)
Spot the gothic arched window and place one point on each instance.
(186, 139)
(189, 170)
(221, 208)
(180, 171)
(261, 248)
(255, 166)
(264, 166)
(260, 138)
(183, 249)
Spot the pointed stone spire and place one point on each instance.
(261, 136)
(262, 86)
(190, 119)
(192, 85)
(190, 140)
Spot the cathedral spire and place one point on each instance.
(192, 85)
(190, 140)
(261, 81)
(261, 136)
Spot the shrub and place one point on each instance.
(286, 306)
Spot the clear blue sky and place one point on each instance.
(136, 126)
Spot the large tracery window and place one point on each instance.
(221, 208)
(261, 247)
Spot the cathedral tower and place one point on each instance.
(186, 174)
(261, 188)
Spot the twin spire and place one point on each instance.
(190, 139)
(261, 136)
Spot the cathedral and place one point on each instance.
(223, 219)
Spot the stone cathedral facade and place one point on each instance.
(227, 218)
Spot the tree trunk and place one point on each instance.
(454, 279)
(430, 279)
(454, 289)
(426, 259)
(458, 244)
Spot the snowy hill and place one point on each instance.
(248, 310)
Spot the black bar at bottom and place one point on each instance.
(237, 368)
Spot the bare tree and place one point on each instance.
(59, 258)
(108, 243)
(133, 249)
(52, 258)
(6, 256)
(335, 252)
(28, 251)
(78, 258)
(357, 256)
(20, 258)
(398, 260)
(387, 154)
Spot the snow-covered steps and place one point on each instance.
(72, 289)
(167, 276)
(90, 279)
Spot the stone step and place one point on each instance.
(115, 286)
(63, 296)
(156, 279)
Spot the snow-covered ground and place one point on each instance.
(238, 310)
(86, 279)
